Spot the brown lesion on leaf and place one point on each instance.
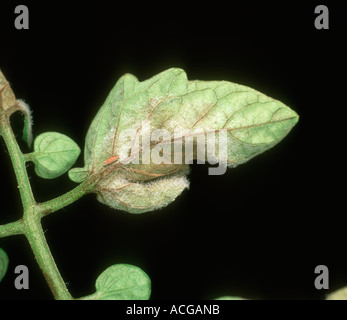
(8, 99)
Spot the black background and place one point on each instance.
(257, 231)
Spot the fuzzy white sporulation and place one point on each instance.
(142, 119)
(139, 197)
(25, 108)
(108, 138)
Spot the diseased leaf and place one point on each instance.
(3, 263)
(54, 154)
(28, 122)
(140, 197)
(142, 124)
(7, 97)
(122, 282)
(9, 105)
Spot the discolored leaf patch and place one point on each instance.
(142, 124)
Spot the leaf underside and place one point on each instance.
(122, 282)
(253, 123)
(54, 154)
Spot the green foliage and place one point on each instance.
(167, 108)
(122, 282)
(253, 122)
(54, 154)
(3, 263)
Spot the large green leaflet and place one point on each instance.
(253, 123)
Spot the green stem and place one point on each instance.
(62, 201)
(38, 243)
(12, 228)
(18, 162)
(30, 224)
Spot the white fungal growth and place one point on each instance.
(139, 197)
(25, 108)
